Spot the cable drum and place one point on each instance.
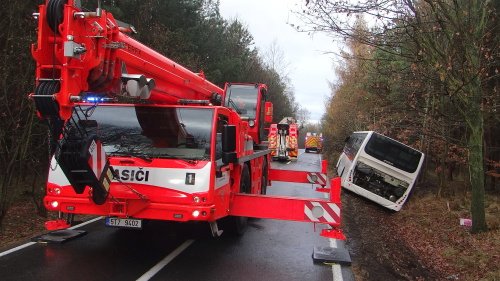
(54, 14)
(44, 103)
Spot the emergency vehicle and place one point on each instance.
(135, 136)
(282, 140)
(313, 142)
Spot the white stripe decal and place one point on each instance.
(309, 214)
(172, 178)
(103, 160)
(326, 215)
(56, 175)
(93, 154)
(335, 208)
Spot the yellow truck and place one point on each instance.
(314, 142)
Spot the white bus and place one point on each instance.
(379, 168)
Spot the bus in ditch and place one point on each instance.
(379, 168)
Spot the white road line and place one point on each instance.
(337, 272)
(31, 243)
(85, 223)
(336, 268)
(155, 269)
(16, 249)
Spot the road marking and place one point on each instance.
(337, 272)
(336, 268)
(166, 260)
(16, 249)
(31, 243)
(85, 223)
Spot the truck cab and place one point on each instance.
(167, 162)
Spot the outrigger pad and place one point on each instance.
(331, 255)
(59, 236)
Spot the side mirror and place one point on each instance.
(347, 139)
(229, 144)
(268, 117)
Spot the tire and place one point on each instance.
(263, 181)
(237, 225)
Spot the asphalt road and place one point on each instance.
(269, 250)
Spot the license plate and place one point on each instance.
(128, 223)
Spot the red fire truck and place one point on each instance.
(282, 140)
(136, 136)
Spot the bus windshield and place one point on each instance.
(243, 99)
(154, 132)
(393, 153)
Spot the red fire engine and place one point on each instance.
(282, 140)
(136, 136)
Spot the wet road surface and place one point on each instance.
(269, 250)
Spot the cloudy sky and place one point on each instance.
(309, 68)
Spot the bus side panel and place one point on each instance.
(343, 165)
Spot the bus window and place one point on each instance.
(353, 144)
(393, 153)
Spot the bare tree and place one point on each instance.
(453, 40)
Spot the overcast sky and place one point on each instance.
(309, 69)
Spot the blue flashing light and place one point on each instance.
(95, 99)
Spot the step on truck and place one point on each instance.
(135, 136)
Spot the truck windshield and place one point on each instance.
(243, 99)
(154, 132)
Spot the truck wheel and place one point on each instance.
(237, 225)
(263, 181)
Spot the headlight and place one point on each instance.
(54, 204)
(196, 213)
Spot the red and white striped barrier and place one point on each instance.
(324, 212)
(316, 178)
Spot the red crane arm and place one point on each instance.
(80, 52)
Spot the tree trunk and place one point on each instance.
(476, 169)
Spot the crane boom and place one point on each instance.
(81, 55)
(88, 52)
